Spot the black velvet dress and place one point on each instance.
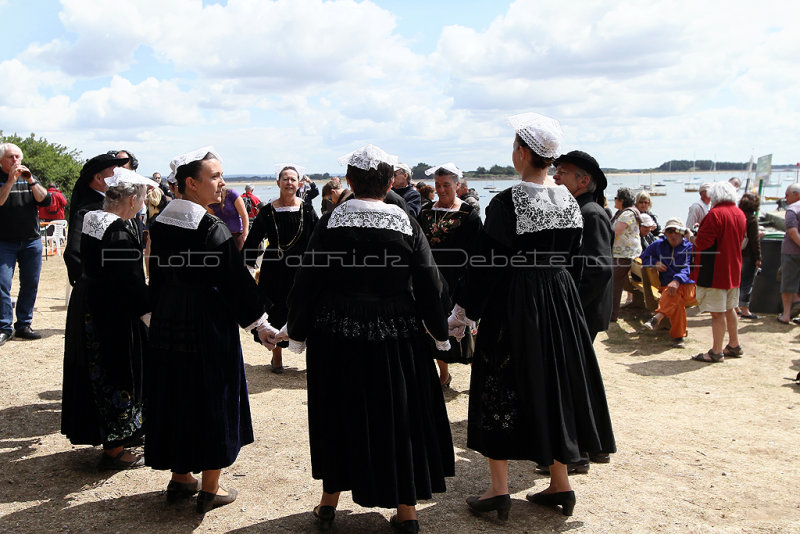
(376, 415)
(453, 236)
(536, 392)
(197, 414)
(104, 336)
(279, 264)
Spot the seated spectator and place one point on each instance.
(647, 228)
(644, 204)
(670, 255)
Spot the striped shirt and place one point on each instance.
(19, 216)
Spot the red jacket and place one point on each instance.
(55, 211)
(718, 247)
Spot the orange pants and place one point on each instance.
(674, 307)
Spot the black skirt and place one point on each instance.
(536, 392)
(378, 424)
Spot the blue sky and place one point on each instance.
(634, 83)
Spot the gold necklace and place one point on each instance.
(445, 213)
(284, 248)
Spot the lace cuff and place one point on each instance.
(297, 347)
(259, 324)
(146, 319)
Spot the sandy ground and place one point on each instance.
(702, 448)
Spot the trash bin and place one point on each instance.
(766, 295)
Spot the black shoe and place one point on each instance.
(411, 526)
(115, 463)
(26, 332)
(325, 516)
(208, 501)
(579, 468)
(5, 336)
(501, 503)
(181, 490)
(565, 499)
(600, 458)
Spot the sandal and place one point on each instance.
(709, 357)
(732, 352)
(277, 369)
(782, 321)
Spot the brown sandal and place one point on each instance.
(733, 352)
(709, 357)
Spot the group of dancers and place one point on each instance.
(377, 298)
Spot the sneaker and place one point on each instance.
(26, 332)
(652, 323)
(678, 342)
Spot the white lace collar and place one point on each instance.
(540, 207)
(363, 214)
(183, 214)
(95, 223)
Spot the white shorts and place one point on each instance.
(717, 300)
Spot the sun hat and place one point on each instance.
(646, 220)
(403, 167)
(675, 223)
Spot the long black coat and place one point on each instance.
(594, 286)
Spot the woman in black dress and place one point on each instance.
(287, 223)
(377, 421)
(452, 228)
(536, 392)
(105, 332)
(197, 413)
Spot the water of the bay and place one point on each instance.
(675, 203)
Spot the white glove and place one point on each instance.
(297, 347)
(458, 322)
(266, 332)
(146, 319)
(282, 334)
(252, 271)
(443, 346)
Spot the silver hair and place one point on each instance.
(6, 146)
(248, 187)
(722, 192)
(120, 193)
(591, 187)
(793, 188)
(704, 188)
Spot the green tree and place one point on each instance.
(480, 170)
(418, 171)
(49, 162)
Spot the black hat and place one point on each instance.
(587, 163)
(98, 163)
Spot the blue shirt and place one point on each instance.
(676, 259)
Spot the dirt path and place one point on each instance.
(702, 448)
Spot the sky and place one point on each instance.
(634, 83)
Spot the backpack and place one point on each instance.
(248, 204)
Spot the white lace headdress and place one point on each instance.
(301, 171)
(189, 157)
(543, 134)
(449, 167)
(367, 158)
(127, 176)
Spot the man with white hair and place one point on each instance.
(699, 209)
(402, 186)
(718, 269)
(790, 254)
(21, 195)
